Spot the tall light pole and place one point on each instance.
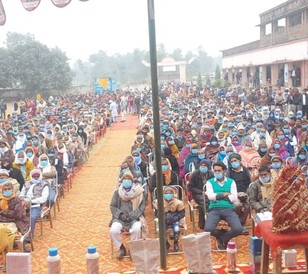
(157, 151)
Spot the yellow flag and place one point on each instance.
(103, 82)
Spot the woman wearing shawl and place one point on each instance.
(184, 152)
(127, 208)
(249, 155)
(213, 148)
(171, 144)
(192, 161)
(12, 210)
(222, 138)
(301, 158)
(31, 156)
(280, 149)
(267, 158)
(276, 168)
(23, 164)
(235, 142)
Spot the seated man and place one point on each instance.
(12, 211)
(127, 208)
(222, 193)
(260, 191)
(36, 190)
(174, 211)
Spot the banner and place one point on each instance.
(60, 3)
(104, 82)
(2, 14)
(30, 5)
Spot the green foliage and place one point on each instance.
(33, 66)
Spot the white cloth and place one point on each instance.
(116, 234)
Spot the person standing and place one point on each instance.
(3, 108)
(113, 110)
(304, 102)
(222, 193)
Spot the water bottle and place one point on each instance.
(53, 261)
(92, 258)
(231, 257)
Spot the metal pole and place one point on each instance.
(157, 151)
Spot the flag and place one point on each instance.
(30, 5)
(2, 14)
(60, 3)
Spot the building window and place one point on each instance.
(268, 29)
(295, 19)
(281, 23)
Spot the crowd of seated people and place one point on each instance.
(233, 147)
(39, 150)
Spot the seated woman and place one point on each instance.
(301, 158)
(23, 164)
(127, 208)
(174, 211)
(12, 210)
(249, 154)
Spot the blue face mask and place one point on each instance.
(8, 193)
(272, 154)
(264, 179)
(302, 157)
(3, 180)
(188, 145)
(218, 176)
(201, 156)
(44, 163)
(286, 131)
(214, 143)
(276, 165)
(164, 168)
(136, 159)
(179, 136)
(51, 155)
(280, 137)
(223, 153)
(168, 133)
(263, 149)
(29, 154)
(162, 147)
(276, 146)
(262, 135)
(127, 183)
(124, 170)
(203, 169)
(138, 149)
(168, 196)
(170, 142)
(235, 164)
(194, 151)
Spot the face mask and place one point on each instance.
(51, 155)
(223, 153)
(233, 133)
(29, 154)
(170, 142)
(276, 146)
(8, 193)
(265, 179)
(218, 176)
(302, 157)
(138, 149)
(179, 136)
(286, 131)
(248, 148)
(262, 135)
(168, 196)
(201, 156)
(219, 121)
(235, 164)
(127, 183)
(35, 181)
(304, 126)
(137, 159)
(49, 135)
(203, 169)
(44, 163)
(21, 159)
(194, 151)
(214, 143)
(167, 133)
(3, 180)
(188, 145)
(162, 147)
(263, 149)
(276, 165)
(272, 154)
(124, 170)
(35, 143)
(164, 168)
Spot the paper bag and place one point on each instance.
(197, 251)
(145, 254)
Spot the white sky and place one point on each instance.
(119, 26)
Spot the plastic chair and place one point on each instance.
(192, 205)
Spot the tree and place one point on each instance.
(218, 80)
(34, 67)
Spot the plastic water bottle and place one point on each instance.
(231, 257)
(53, 260)
(92, 258)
